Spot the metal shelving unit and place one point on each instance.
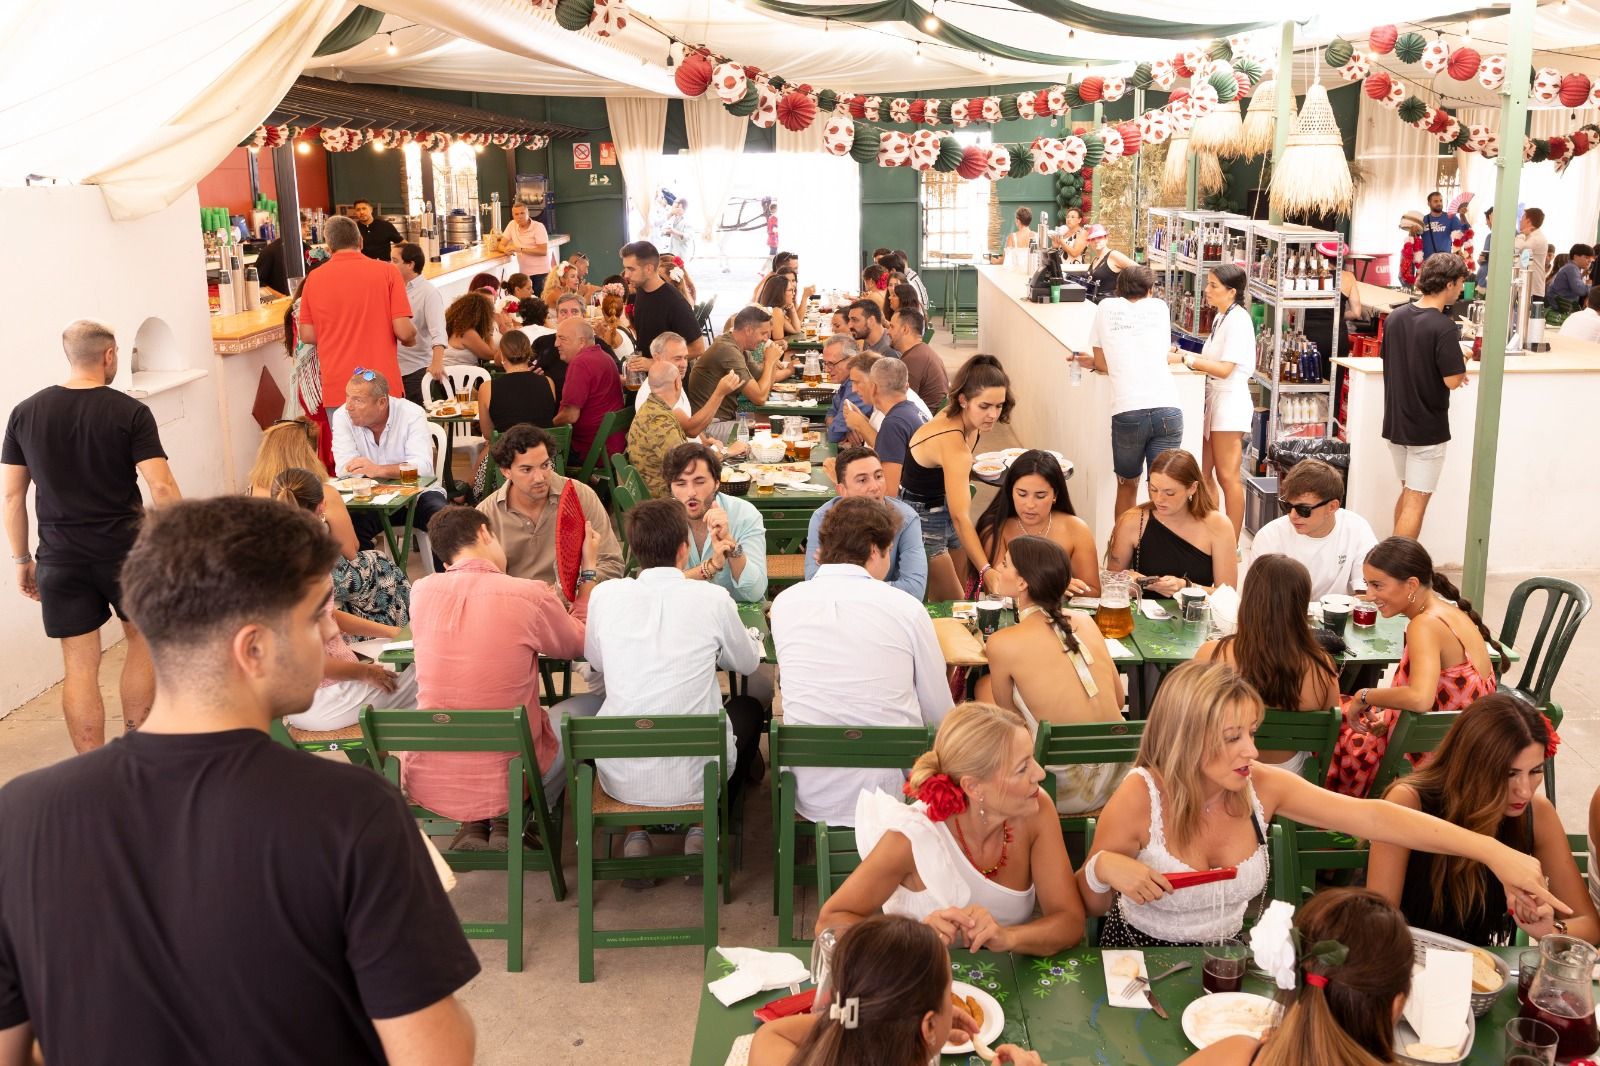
(1199, 242)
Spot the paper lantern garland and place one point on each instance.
(1408, 47)
(796, 111)
(1377, 85)
(574, 14)
(1492, 73)
(951, 155)
(1338, 52)
(839, 134)
(1575, 90)
(729, 82)
(1382, 39)
(864, 143)
(693, 75)
(745, 106)
(974, 161)
(1464, 63)
(765, 114)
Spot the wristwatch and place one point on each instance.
(587, 576)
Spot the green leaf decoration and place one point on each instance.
(1220, 49)
(1008, 108)
(1141, 77)
(1408, 47)
(1338, 52)
(747, 106)
(1411, 109)
(1330, 953)
(1541, 150)
(1250, 69)
(949, 155)
(1094, 151)
(864, 149)
(1021, 160)
(827, 100)
(1226, 84)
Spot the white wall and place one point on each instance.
(66, 259)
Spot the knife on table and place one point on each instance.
(1155, 1004)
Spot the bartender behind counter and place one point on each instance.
(378, 235)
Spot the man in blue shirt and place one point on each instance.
(859, 473)
(1438, 228)
(727, 538)
(1483, 256)
(837, 352)
(1571, 282)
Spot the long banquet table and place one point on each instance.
(1031, 341)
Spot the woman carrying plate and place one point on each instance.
(1343, 987)
(1197, 800)
(890, 1006)
(978, 855)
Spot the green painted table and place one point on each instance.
(399, 549)
(816, 411)
(718, 1027)
(785, 499)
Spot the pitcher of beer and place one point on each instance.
(1115, 614)
(813, 371)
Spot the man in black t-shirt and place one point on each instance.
(1422, 362)
(84, 445)
(378, 235)
(657, 307)
(196, 893)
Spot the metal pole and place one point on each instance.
(1136, 240)
(1191, 196)
(288, 196)
(1284, 101)
(1497, 313)
(1094, 201)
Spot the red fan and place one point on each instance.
(571, 527)
(796, 111)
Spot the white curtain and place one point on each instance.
(1402, 167)
(638, 128)
(819, 209)
(1570, 198)
(148, 110)
(716, 141)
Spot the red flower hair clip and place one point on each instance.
(942, 795)
(1555, 738)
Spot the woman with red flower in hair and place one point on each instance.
(979, 856)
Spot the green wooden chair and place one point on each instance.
(851, 747)
(596, 470)
(1300, 852)
(1058, 745)
(390, 731)
(692, 736)
(1565, 607)
(1312, 732)
(1413, 734)
(786, 547)
(837, 858)
(347, 741)
(623, 499)
(493, 479)
(623, 472)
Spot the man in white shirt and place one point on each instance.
(530, 242)
(373, 433)
(1329, 541)
(1132, 343)
(1585, 325)
(423, 357)
(853, 651)
(659, 640)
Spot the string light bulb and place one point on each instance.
(303, 148)
(916, 57)
(392, 50)
(377, 146)
(931, 23)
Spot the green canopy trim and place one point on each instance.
(908, 11)
(1101, 20)
(355, 27)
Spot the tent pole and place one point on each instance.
(1284, 101)
(1497, 313)
(287, 193)
(1094, 201)
(1137, 239)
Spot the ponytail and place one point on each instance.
(297, 487)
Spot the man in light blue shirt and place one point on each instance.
(423, 357)
(727, 538)
(859, 473)
(837, 352)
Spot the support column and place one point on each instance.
(1136, 238)
(1284, 103)
(1497, 313)
(288, 197)
(1098, 121)
(1191, 196)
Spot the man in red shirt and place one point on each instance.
(593, 388)
(354, 309)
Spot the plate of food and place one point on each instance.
(1010, 454)
(1223, 1014)
(988, 468)
(985, 1010)
(354, 484)
(788, 386)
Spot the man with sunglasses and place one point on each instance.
(1329, 541)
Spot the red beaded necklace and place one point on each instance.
(1005, 849)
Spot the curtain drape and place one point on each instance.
(1402, 167)
(716, 141)
(908, 12)
(1570, 198)
(639, 128)
(819, 210)
(357, 26)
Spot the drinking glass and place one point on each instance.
(1115, 613)
(1530, 1040)
(989, 616)
(408, 473)
(1527, 967)
(1224, 966)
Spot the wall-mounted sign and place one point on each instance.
(608, 154)
(581, 157)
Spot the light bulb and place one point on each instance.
(916, 56)
(930, 24)
(392, 50)
(303, 148)
(377, 146)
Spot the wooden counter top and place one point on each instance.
(1566, 356)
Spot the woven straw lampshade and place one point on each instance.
(1261, 122)
(1175, 177)
(1313, 176)
(1220, 131)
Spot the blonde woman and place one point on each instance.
(1198, 799)
(365, 582)
(979, 856)
(558, 283)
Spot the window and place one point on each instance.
(955, 211)
(455, 178)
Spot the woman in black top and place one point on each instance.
(1178, 538)
(519, 395)
(1105, 263)
(1487, 776)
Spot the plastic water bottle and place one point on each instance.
(743, 432)
(1075, 371)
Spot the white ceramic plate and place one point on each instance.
(352, 484)
(994, 1019)
(1223, 1014)
(1062, 459)
(989, 468)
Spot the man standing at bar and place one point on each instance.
(424, 357)
(1438, 228)
(529, 241)
(354, 311)
(378, 235)
(82, 444)
(1422, 362)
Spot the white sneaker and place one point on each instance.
(694, 843)
(637, 846)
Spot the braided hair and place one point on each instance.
(1402, 558)
(1046, 568)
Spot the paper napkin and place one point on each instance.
(756, 971)
(1122, 967)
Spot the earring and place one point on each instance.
(983, 815)
(1411, 596)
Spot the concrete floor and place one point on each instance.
(642, 1005)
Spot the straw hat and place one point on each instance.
(1411, 219)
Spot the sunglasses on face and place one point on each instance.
(1304, 510)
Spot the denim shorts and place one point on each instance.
(1137, 437)
(938, 531)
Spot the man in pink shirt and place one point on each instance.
(526, 237)
(478, 634)
(592, 390)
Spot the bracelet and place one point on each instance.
(986, 568)
(1188, 360)
(22, 560)
(1095, 884)
(587, 576)
(705, 570)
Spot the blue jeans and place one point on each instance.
(938, 530)
(1137, 437)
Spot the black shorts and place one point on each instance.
(78, 598)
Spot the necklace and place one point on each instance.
(1005, 849)
(1049, 521)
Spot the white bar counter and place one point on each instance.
(1031, 341)
(1543, 520)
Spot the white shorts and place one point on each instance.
(1418, 465)
(1228, 412)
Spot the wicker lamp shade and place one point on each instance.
(1175, 177)
(1313, 176)
(1220, 131)
(1260, 124)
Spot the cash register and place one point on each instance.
(1053, 273)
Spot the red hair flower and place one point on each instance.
(1555, 738)
(942, 795)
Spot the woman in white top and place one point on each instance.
(1198, 800)
(979, 851)
(1020, 236)
(1585, 325)
(1226, 361)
